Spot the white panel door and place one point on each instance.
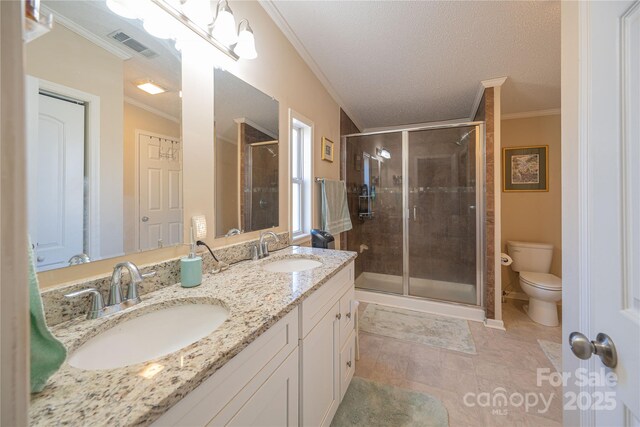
(160, 191)
(55, 157)
(607, 288)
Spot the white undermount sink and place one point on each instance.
(149, 336)
(291, 265)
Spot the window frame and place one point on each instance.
(301, 133)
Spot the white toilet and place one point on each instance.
(533, 262)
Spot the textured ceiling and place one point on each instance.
(398, 62)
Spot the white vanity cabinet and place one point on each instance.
(327, 348)
(296, 373)
(258, 387)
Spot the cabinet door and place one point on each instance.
(321, 371)
(347, 363)
(275, 403)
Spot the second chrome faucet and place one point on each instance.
(115, 301)
(261, 250)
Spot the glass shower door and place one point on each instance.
(442, 219)
(374, 190)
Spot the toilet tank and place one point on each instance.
(534, 257)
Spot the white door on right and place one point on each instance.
(603, 231)
(160, 191)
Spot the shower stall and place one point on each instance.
(416, 199)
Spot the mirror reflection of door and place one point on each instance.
(160, 191)
(56, 174)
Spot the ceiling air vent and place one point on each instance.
(132, 44)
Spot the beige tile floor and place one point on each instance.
(505, 359)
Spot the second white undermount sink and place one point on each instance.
(291, 265)
(149, 336)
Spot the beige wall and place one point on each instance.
(533, 216)
(66, 58)
(136, 118)
(279, 72)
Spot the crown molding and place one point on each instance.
(498, 81)
(150, 109)
(256, 126)
(527, 114)
(275, 15)
(476, 102)
(83, 32)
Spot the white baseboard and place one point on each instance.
(494, 324)
(517, 295)
(459, 311)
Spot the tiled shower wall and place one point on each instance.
(378, 240)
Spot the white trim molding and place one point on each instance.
(484, 84)
(497, 82)
(273, 12)
(494, 324)
(528, 114)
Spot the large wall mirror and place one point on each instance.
(104, 137)
(246, 156)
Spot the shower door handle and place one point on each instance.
(415, 215)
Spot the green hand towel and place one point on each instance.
(47, 353)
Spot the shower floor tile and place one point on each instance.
(507, 360)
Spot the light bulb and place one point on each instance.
(122, 8)
(199, 11)
(158, 23)
(224, 26)
(246, 46)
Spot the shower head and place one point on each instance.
(465, 136)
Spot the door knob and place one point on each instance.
(145, 218)
(602, 346)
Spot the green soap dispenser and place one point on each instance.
(191, 267)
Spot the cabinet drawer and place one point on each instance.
(316, 306)
(253, 364)
(347, 363)
(347, 316)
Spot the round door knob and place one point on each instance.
(581, 346)
(145, 218)
(40, 259)
(602, 346)
(339, 316)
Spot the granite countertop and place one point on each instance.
(255, 298)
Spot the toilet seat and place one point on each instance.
(545, 281)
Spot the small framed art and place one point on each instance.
(327, 149)
(525, 168)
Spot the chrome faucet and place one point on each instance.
(233, 232)
(115, 301)
(263, 245)
(79, 259)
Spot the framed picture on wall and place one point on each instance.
(327, 149)
(525, 168)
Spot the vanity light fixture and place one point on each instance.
(383, 152)
(246, 46)
(224, 26)
(150, 87)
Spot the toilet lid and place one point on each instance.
(542, 280)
